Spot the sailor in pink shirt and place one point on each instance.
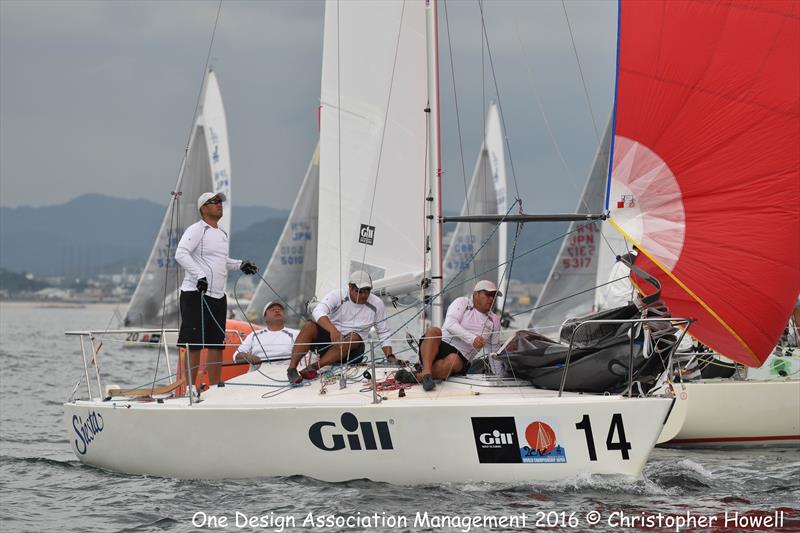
(469, 327)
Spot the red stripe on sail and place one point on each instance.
(713, 90)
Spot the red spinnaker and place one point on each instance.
(706, 163)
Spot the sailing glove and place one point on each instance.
(202, 285)
(248, 267)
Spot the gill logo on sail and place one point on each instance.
(360, 435)
(87, 430)
(367, 234)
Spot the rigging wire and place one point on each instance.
(174, 200)
(339, 130)
(499, 104)
(580, 70)
(458, 115)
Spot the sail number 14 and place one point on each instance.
(614, 441)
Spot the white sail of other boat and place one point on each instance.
(568, 291)
(206, 167)
(372, 145)
(291, 273)
(478, 251)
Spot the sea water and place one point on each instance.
(43, 487)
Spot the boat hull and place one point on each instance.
(397, 441)
(721, 413)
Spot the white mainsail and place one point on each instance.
(583, 258)
(372, 144)
(207, 167)
(466, 261)
(292, 268)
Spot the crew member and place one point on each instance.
(469, 326)
(271, 344)
(341, 323)
(203, 253)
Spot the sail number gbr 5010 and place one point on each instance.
(615, 440)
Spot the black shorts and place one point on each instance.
(208, 332)
(323, 344)
(446, 349)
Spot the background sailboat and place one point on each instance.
(465, 261)
(576, 271)
(206, 167)
(290, 275)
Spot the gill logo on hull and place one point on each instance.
(86, 430)
(359, 436)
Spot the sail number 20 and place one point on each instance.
(614, 441)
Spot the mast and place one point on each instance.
(435, 169)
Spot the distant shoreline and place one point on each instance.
(59, 305)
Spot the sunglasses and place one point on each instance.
(213, 201)
(366, 290)
(489, 294)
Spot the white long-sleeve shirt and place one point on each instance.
(619, 292)
(203, 253)
(463, 324)
(269, 345)
(350, 317)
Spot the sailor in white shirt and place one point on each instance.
(341, 323)
(618, 291)
(271, 344)
(203, 253)
(469, 326)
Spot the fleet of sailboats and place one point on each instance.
(672, 183)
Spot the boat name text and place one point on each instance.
(86, 430)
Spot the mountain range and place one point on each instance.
(93, 234)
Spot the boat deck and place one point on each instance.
(267, 386)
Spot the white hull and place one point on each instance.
(734, 413)
(421, 438)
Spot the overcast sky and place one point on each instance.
(98, 96)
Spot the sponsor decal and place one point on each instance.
(86, 430)
(367, 234)
(542, 446)
(626, 200)
(357, 435)
(496, 439)
(500, 440)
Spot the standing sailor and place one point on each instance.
(203, 253)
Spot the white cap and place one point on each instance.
(486, 285)
(206, 196)
(361, 280)
(270, 304)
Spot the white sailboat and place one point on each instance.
(379, 165)
(478, 251)
(206, 167)
(582, 257)
(290, 275)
